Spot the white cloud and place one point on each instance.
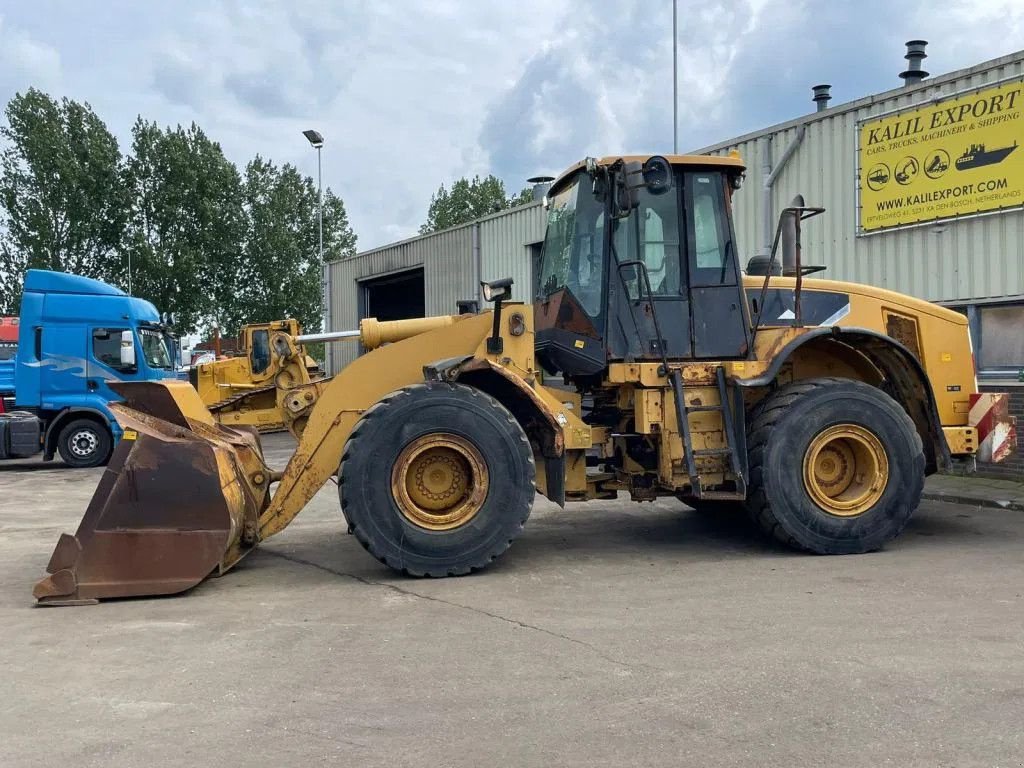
(24, 59)
(413, 94)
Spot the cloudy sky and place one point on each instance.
(413, 93)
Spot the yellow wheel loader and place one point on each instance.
(820, 406)
(242, 391)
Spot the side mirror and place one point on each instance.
(790, 237)
(628, 183)
(127, 349)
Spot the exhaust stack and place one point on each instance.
(915, 55)
(541, 185)
(822, 96)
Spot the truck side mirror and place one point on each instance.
(127, 349)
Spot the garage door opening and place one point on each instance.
(395, 297)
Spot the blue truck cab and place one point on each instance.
(76, 335)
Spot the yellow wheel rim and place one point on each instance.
(439, 481)
(846, 470)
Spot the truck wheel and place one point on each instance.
(437, 480)
(836, 466)
(84, 443)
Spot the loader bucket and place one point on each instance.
(178, 501)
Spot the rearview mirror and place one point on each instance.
(628, 183)
(127, 349)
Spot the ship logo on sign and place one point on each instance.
(977, 156)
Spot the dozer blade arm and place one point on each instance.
(344, 399)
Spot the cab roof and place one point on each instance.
(45, 281)
(731, 161)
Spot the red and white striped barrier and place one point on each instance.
(997, 429)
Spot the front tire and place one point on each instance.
(836, 466)
(437, 480)
(84, 443)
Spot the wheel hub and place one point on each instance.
(846, 470)
(439, 481)
(83, 443)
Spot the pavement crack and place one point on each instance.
(514, 622)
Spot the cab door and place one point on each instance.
(104, 362)
(653, 235)
(719, 324)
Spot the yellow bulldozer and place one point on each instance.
(819, 406)
(242, 390)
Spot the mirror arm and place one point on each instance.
(495, 344)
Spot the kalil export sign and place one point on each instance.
(954, 157)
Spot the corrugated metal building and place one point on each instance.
(973, 262)
(445, 267)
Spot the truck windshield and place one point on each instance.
(154, 348)
(572, 256)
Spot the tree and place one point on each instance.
(281, 266)
(187, 224)
(61, 191)
(468, 200)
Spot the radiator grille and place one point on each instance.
(904, 330)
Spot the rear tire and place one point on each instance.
(437, 480)
(836, 466)
(84, 443)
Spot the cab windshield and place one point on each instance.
(154, 349)
(572, 256)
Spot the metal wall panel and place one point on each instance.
(505, 240)
(972, 258)
(449, 275)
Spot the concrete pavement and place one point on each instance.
(611, 634)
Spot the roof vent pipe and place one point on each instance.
(915, 55)
(541, 185)
(822, 96)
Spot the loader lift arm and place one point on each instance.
(346, 397)
(188, 496)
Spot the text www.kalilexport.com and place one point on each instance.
(999, 188)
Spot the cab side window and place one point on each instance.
(711, 261)
(106, 348)
(651, 235)
(659, 241)
(259, 358)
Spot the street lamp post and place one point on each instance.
(316, 140)
(675, 83)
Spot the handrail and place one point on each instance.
(802, 212)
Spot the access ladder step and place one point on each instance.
(727, 451)
(722, 495)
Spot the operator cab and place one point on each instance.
(639, 264)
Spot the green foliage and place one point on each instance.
(187, 224)
(202, 241)
(468, 200)
(282, 275)
(61, 193)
